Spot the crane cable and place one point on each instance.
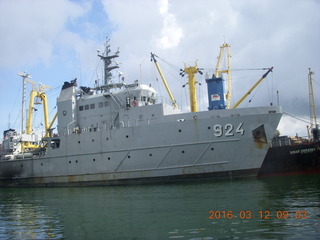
(290, 115)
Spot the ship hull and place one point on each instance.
(213, 144)
(291, 160)
(107, 179)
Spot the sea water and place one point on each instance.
(270, 208)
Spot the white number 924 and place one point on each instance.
(227, 130)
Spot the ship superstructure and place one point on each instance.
(119, 133)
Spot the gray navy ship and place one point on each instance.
(119, 133)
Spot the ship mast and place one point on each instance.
(228, 71)
(107, 59)
(191, 71)
(313, 116)
(24, 76)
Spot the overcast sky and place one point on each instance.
(57, 41)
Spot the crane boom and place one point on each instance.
(53, 120)
(164, 80)
(254, 86)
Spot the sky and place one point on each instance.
(57, 40)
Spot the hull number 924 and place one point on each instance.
(228, 130)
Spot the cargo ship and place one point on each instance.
(119, 133)
(287, 157)
(290, 156)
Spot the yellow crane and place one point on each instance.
(37, 93)
(228, 70)
(43, 97)
(191, 71)
(254, 86)
(164, 80)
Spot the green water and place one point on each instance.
(248, 208)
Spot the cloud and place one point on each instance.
(261, 34)
(291, 126)
(30, 29)
(61, 37)
(171, 33)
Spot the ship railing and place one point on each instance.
(140, 122)
(166, 101)
(285, 141)
(277, 142)
(137, 122)
(163, 99)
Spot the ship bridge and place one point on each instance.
(139, 95)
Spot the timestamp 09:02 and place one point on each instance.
(258, 215)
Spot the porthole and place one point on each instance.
(109, 158)
(150, 154)
(127, 136)
(69, 162)
(212, 149)
(64, 113)
(94, 159)
(182, 151)
(179, 130)
(129, 156)
(78, 141)
(209, 128)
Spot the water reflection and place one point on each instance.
(23, 216)
(171, 211)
